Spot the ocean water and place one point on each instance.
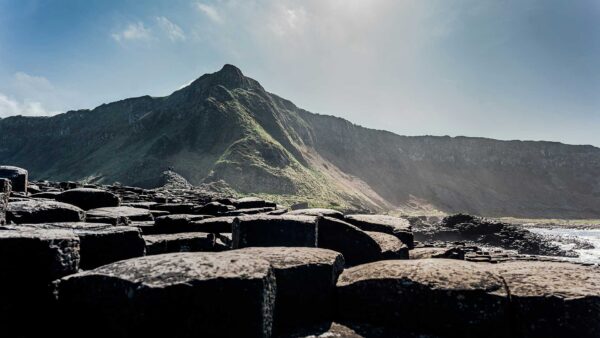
(585, 242)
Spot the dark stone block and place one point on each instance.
(172, 295)
(439, 296)
(87, 198)
(262, 230)
(180, 242)
(102, 243)
(17, 176)
(396, 226)
(39, 211)
(306, 280)
(552, 299)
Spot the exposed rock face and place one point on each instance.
(282, 230)
(206, 294)
(30, 260)
(317, 212)
(180, 242)
(5, 189)
(387, 224)
(448, 297)
(356, 245)
(553, 299)
(101, 243)
(89, 198)
(118, 215)
(306, 280)
(390, 247)
(282, 149)
(40, 211)
(462, 227)
(17, 176)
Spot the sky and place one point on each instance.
(510, 69)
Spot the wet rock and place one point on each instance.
(387, 224)
(318, 212)
(30, 260)
(306, 279)
(101, 243)
(17, 177)
(437, 252)
(439, 296)
(356, 245)
(263, 230)
(552, 299)
(173, 295)
(87, 198)
(179, 242)
(479, 230)
(390, 247)
(39, 211)
(118, 215)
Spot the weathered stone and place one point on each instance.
(352, 330)
(179, 242)
(553, 299)
(5, 189)
(390, 247)
(30, 260)
(118, 215)
(17, 177)
(306, 279)
(263, 230)
(87, 198)
(176, 223)
(51, 195)
(172, 295)
(142, 205)
(396, 226)
(356, 245)
(249, 211)
(436, 252)
(39, 211)
(448, 297)
(101, 243)
(214, 208)
(318, 212)
(250, 203)
(177, 208)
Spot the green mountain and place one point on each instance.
(226, 127)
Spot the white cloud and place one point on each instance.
(10, 106)
(32, 95)
(209, 11)
(173, 31)
(134, 31)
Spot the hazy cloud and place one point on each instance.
(173, 31)
(210, 11)
(10, 106)
(133, 31)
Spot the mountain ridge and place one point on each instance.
(225, 126)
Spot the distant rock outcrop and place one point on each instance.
(225, 131)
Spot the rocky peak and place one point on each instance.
(229, 77)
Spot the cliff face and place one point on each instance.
(225, 126)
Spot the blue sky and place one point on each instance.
(513, 69)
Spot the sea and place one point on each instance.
(584, 241)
